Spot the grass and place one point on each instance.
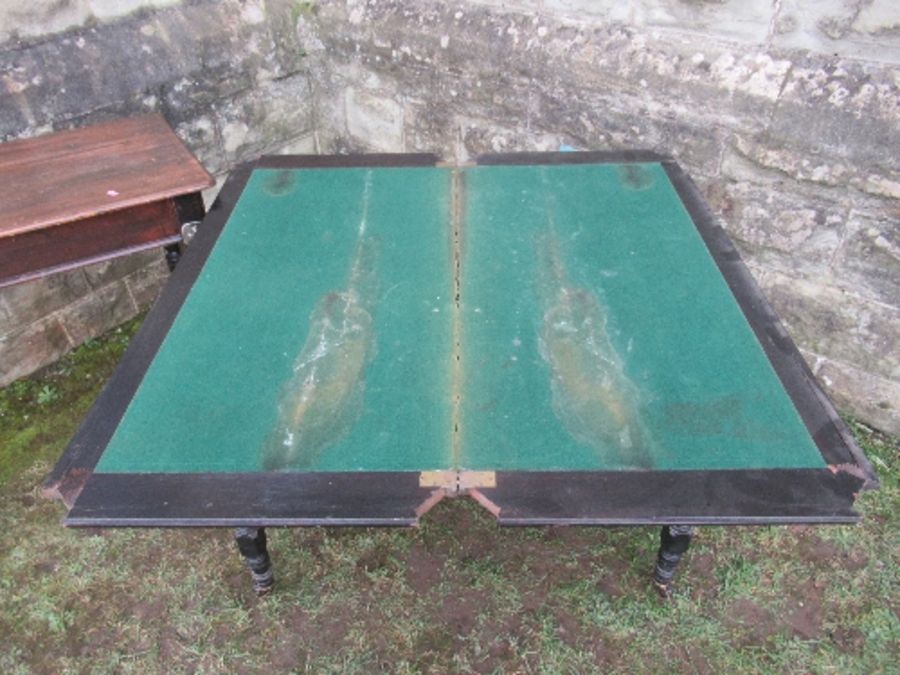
(458, 594)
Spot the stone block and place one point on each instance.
(112, 9)
(869, 259)
(188, 99)
(302, 145)
(146, 283)
(103, 273)
(31, 301)
(374, 118)
(288, 24)
(5, 316)
(778, 227)
(841, 111)
(202, 138)
(40, 17)
(866, 30)
(30, 347)
(742, 20)
(97, 312)
(505, 56)
(180, 59)
(837, 324)
(807, 166)
(874, 399)
(265, 118)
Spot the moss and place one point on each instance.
(39, 414)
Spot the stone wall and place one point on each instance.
(785, 113)
(230, 78)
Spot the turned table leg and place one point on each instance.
(251, 543)
(673, 542)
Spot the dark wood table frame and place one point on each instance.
(252, 501)
(87, 195)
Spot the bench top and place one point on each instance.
(75, 174)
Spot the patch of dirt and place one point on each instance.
(329, 630)
(602, 652)
(611, 583)
(373, 560)
(814, 549)
(750, 624)
(567, 628)
(310, 540)
(804, 611)
(462, 529)
(702, 568)
(43, 568)
(148, 611)
(460, 611)
(502, 655)
(693, 660)
(286, 656)
(450, 623)
(423, 568)
(574, 536)
(848, 640)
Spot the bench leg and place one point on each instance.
(251, 543)
(674, 541)
(190, 213)
(173, 255)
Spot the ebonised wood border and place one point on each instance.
(249, 499)
(729, 497)
(346, 161)
(586, 157)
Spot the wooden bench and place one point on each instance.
(86, 195)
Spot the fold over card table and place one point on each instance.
(568, 338)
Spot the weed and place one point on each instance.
(47, 394)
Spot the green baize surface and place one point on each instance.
(594, 333)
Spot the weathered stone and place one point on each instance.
(28, 302)
(5, 317)
(841, 109)
(747, 21)
(869, 259)
(837, 324)
(826, 170)
(867, 30)
(291, 41)
(30, 347)
(111, 9)
(500, 50)
(39, 17)
(202, 137)
(874, 399)
(302, 145)
(146, 283)
(375, 119)
(263, 119)
(778, 229)
(100, 274)
(96, 313)
(179, 59)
